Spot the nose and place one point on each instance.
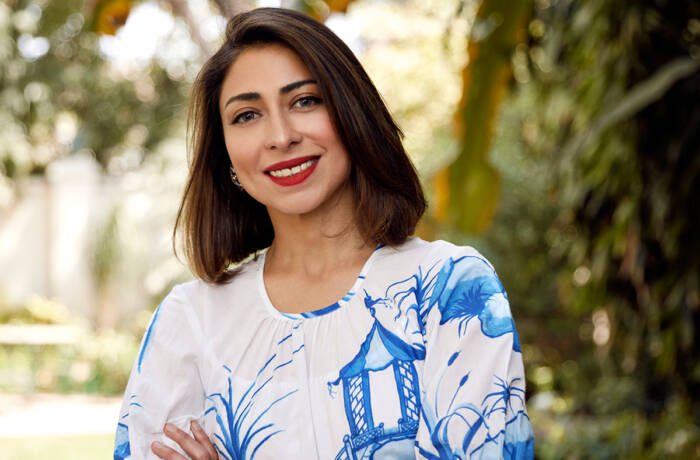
(282, 134)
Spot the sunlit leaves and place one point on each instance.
(108, 15)
(321, 9)
(474, 185)
(70, 98)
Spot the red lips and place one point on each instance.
(290, 163)
(294, 179)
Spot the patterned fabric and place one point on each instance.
(420, 359)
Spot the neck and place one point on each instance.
(319, 241)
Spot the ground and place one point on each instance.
(41, 426)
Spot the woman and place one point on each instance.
(338, 335)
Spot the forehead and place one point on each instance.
(263, 68)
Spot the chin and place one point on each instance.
(308, 203)
(296, 208)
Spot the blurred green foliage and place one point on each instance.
(92, 362)
(596, 234)
(59, 94)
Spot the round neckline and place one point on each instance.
(319, 312)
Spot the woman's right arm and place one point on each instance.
(473, 383)
(165, 384)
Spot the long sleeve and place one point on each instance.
(165, 384)
(473, 385)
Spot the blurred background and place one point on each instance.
(559, 137)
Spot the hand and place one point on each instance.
(198, 448)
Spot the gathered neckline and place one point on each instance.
(271, 309)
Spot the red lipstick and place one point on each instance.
(284, 174)
(290, 163)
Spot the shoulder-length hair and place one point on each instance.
(221, 224)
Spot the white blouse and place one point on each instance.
(420, 359)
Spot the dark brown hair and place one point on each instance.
(221, 224)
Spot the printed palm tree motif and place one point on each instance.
(405, 302)
(241, 423)
(413, 294)
(516, 436)
(468, 287)
(441, 423)
(462, 430)
(501, 400)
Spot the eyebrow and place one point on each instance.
(252, 96)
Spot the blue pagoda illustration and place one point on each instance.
(385, 363)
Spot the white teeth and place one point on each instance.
(286, 172)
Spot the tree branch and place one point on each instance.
(182, 9)
(230, 8)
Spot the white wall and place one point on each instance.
(47, 237)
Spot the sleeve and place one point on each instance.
(473, 384)
(165, 384)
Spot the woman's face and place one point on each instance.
(279, 134)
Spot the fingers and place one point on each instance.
(201, 436)
(165, 452)
(198, 448)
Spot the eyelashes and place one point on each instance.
(303, 103)
(244, 117)
(307, 101)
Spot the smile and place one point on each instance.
(292, 172)
(286, 172)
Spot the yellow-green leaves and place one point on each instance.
(108, 15)
(474, 185)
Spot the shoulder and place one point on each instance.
(435, 265)
(449, 265)
(197, 292)
(463, 285)
(193, 308)
(435, 253)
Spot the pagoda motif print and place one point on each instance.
(385, 362)
(460, 290)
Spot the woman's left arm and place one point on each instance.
(473, 384)
(165, 385)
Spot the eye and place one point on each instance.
(244, 117)
(307, 102)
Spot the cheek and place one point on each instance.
(329, 136)
(318, 125)
(327, 130)
(238, 149)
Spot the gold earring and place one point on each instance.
(234, 178)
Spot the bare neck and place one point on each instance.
(313, 243)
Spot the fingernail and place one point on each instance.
(157, 445)
(168, 428)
